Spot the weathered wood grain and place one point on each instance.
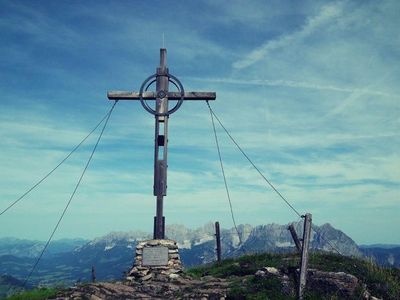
(124, 95)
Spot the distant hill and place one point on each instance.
(383, 246)
(9, 285)
(383, 255)
(30, 248)
(69, 261)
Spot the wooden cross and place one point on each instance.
(162, 95)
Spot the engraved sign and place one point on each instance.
(155, 256)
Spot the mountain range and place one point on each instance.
(70, 261)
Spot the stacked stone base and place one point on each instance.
(171, 269)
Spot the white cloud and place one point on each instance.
(327, 14)
(293, 84)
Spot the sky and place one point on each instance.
(309, 89)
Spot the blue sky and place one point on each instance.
(308, 88)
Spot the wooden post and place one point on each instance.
(295, 237)
(218, 241)
(304, 254)
(93, 274)
(162, 95)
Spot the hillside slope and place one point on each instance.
(259, 276)
(9, 285)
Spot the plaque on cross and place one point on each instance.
(162, 78)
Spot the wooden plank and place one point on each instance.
(304, 255)
(218, 241)
(193, 95)
(123, 95)
(295, 237)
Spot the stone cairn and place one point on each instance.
(170, 268)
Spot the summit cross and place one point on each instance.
(162, 95)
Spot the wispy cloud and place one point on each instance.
(326, 14)
(293, 84)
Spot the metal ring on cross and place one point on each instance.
(145, 85)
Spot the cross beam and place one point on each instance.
(162, 95)
(122, 95)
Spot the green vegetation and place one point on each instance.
(381, 282)
(256, 288)
(240, 273)
(9, 286)
(36, 294)
(245, 265)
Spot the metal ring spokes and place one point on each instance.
(149, 81)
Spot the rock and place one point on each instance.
(260, 273)
(207, 278)
(268, 271)
(272, 270)
(133, 270)
(173, 276)
(147, 277)
(286, 285)
(153, 243)
(341, 283)
(167, 243)
(142, 273)
(170, 287)
(367, 296)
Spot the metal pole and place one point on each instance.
(218, 241)
(304, 254)
(161, 143)
(295, 237)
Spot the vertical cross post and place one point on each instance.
(161, 144)
(218, 241)
(304, 254)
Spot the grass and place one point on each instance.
(256, 288)
(244, 265)
(35, 294)
(381, 282)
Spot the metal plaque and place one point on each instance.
(155, 256)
